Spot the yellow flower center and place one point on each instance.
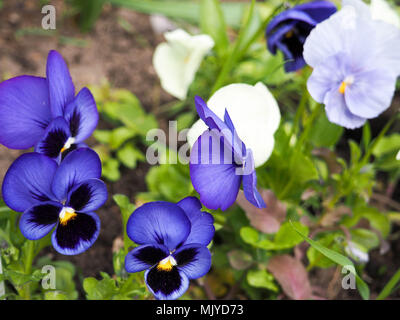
(345, 83)
(68, 144)
(66, 215)
(167, 264)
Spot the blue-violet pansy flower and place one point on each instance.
(61, 197)
(220, 163)
(173, 241)
(356, 62)
(45, 113)
(288, 31)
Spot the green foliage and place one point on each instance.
(123, 144)
(212, 22)
(115, 289)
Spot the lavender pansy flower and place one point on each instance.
(61, 197)
(356, 62)
(44, 112)
(220, 163)
(288, 31)
(173, 241)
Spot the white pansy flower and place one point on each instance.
(177, 60)
(398, 156)
(381, 10)
(254, 113)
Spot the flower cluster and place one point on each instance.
(57, 186)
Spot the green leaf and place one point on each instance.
(55, 295)
(170, 181)
(103, 289)
(111, 169)
(388, 144)
(119, 136)
(316, 258)
(325, 133)
(364, 237)
(262, 279)
(389, 287)
(285, 238)
(212, 23)
(129, 155)
(340, 260)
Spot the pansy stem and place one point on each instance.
(30, 255)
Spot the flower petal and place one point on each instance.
(337, 112)
(331, 36)
(78, 166)
(39, 220)
(166, 285)
(177, 61)
(193, 259)
(261, 117)
(28, 181)
(213, 178)
(250, 184)
(82, 115)
(77, 235)
(202, 223)
(144, 257)
(24, 111)
(54, 138)
(159, 222)
(61, 87)
(87, 196)
(370, 94)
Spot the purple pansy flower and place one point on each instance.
(63, 197)
(45, 113)
(173, 241)
(356, 62)
(289, 29)
(220, 163)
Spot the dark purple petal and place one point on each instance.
(88, 196)
(159, 222)
(311, 13)
(28, 181)
(54, 138)
(144, 257)
(166, 285)
(24, 111)
(202, 222)
(77, 235)
(193, 259)
(288, 31)
(82, 115)
(78, 166)
(61, 87)
(39, 220)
